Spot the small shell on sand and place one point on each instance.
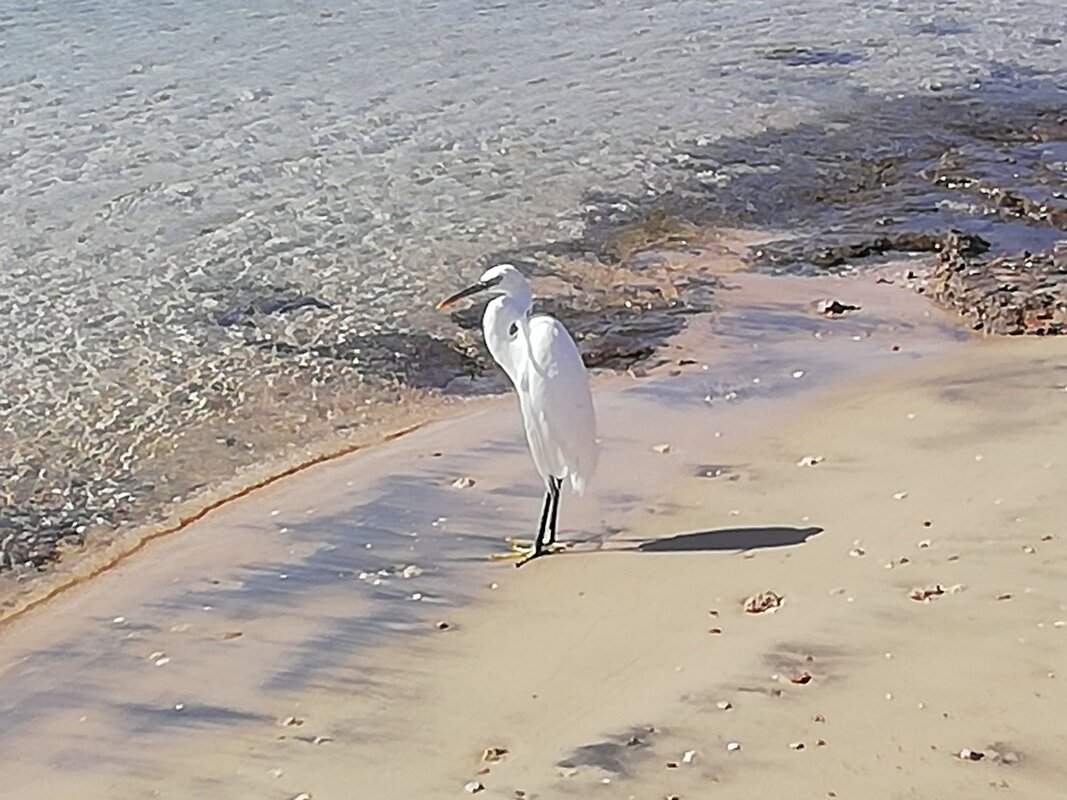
(473, 787)
(662, 449)
(463, 483)
(733, 747)
(494, 754)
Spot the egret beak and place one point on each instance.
(478, 287)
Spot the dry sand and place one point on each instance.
(248, 656)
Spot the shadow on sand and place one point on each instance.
(730, 539)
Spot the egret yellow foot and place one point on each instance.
(548, 550)
(517, 548)
(523, 551)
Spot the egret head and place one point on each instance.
(502, 279)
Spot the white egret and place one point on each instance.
(546, 369)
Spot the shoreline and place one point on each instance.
(102, 548)
(94, 558)
(721, 256)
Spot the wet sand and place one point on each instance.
(266, 651)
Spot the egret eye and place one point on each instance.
(513, 329)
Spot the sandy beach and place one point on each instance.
(895, 482)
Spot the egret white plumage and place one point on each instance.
(546, 369)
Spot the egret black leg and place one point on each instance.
(555, 485)
(546, 510)
(547, 516)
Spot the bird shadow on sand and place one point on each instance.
(754, 538)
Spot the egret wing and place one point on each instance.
(557, 405)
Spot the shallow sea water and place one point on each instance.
(225, 224)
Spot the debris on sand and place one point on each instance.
(463, 483)
(763, 603)
(924, 594)
(494, 754)
(662, 449)
(835, 308)
(810, 461)
(473, 787)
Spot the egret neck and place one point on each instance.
(505, 326)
